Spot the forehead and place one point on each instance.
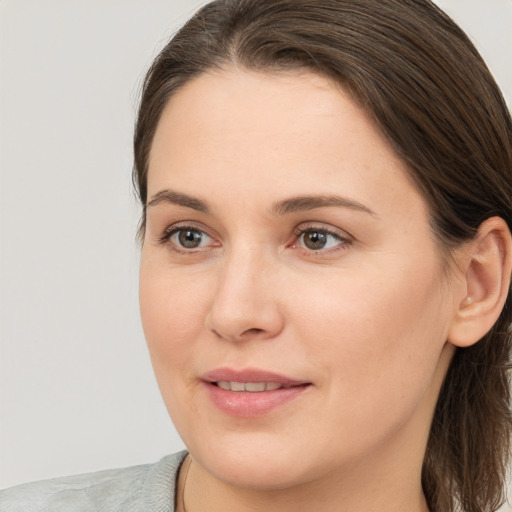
(292, 103)
(262, 132)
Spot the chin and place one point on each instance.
(256, 461)
(256, 472)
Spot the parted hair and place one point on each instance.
(433, 98)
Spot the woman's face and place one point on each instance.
(292, 295)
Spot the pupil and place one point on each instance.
(190, 239)
(315, 240)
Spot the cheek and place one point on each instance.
(172, 311)
(377, 345)
(375, 332)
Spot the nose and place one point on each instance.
(245, 303)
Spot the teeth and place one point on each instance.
(255, 386)
(252, 387)
(237, 386)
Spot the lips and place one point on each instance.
(251, 387)
(249, 375)
(251, 393)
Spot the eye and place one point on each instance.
(186, 238)
(189, 238)
(317, 239)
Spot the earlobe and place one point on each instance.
(488, 268)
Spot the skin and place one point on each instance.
(365, 320)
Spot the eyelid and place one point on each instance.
(172, 229)
(319, 226)
(344, 238)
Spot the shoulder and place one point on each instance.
(133, 489)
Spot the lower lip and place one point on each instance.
(246, 404)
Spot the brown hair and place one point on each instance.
(416, 72)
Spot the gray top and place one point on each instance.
(148, 488)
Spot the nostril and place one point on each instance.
(245, 335)
(250, 332)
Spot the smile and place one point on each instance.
(251, 387)
(251, 393)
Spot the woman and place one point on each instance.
(326, 259)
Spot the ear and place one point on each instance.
(486, 263)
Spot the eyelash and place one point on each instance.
(165, 239)
(343, 241)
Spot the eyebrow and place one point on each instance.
(304, 203)
(169, 196)
(287, 206)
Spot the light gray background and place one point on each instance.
(77, 392)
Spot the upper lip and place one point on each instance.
(249, 375)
